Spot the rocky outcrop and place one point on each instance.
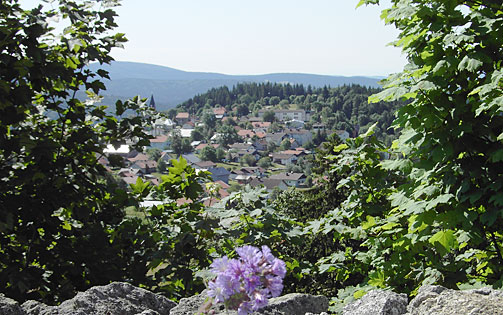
(378, 302)
(9, 306)
(437, 300)
(430, 300)
(113, 299)
(124, 299)
(288, 304)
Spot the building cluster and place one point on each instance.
(255, 140)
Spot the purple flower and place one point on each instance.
(246, 283)
(216, 292)
(229, 284)
(249, 254)
(244, 308)
(251, 283)
(274, 285)
(266, 253)
(219, 265)
(259, 299)
(278, 268)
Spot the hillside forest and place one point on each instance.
(423, 209)
(338, 108)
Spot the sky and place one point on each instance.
(329, 37)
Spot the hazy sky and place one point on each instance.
(259, 36)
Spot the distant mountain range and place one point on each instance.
(171, 87)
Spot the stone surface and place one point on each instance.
(437, 300)
(378, 302)
(9, 306)
(291, 304)
(114, 299)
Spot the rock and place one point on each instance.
(437, 300)
(291, 304)
(9, 306)
(296, 304)
(378, 302)
(34, 307)
(114, 299)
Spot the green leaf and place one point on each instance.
(445, 241)
(403, 165)
(469, 64)
(369, 223)
(377, 279)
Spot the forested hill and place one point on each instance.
(344, 107)
(171, 86)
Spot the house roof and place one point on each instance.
(240, 146)
(139, 157)
(294, 152)
(159, 139)
(297, 131)
(288, 176)
(261, 124)
(219, 111)
(205, 164)
(246, 133)
(281, 156)
(276, 136)
(191, 158)
(182, 115)
(201, 146)
(145, 164)
(186, 133)
(218, 171)
(130, 179)
(268, 183)
(222, 184)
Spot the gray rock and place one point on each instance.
(9, 307)
(437, 300)
(296, 304)
(289, 304)
(378, 302)
(114, 299)
(34, 307)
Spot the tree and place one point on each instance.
(209, 120)
(269, 116)
(242, 110)
(228, 135)
(249, 159)
(154, 153)
(264, 162)
(274, 100)
(285, 145)
(434, 209)
(59, 216)
(197, 134)
(220, 154)
(208, 153)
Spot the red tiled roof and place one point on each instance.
(182, 115)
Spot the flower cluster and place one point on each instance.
(246, 283)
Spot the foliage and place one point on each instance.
(264, 162)
(268, 116)
(342, 108)
(178, 144)
(171, 239)
(59, 211)
(249, 159)
(430, 213)
(208, 153)
(228, 135)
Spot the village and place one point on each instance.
(271, 149)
